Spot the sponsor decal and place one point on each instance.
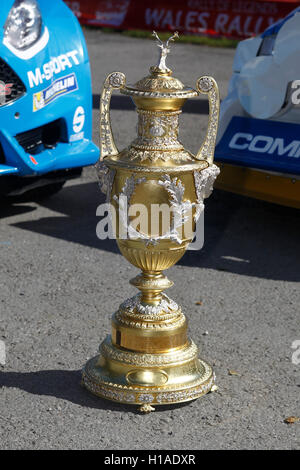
(232, 18)
(61, 86)
(5, 90)
(262, 144)
(78, 119)
(33, 160)
(76, 137)
(112, 13)
(55, 66)
(265, 144)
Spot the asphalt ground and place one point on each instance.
(59, 286)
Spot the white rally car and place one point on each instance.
(258, 144)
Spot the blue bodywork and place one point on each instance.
(48, 127)
(274, 28)
(262, 144)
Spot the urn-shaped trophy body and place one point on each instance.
(156, 189)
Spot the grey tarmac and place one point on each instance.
(60, 285)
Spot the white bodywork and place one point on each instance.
(263, 71)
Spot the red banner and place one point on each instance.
(231, 18)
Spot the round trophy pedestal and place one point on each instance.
(147, 380)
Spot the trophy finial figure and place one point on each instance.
(164, 47)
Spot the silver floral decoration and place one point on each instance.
(204, 181)
(180, 209)
(106, 179)
(117, 79)
(134, 303)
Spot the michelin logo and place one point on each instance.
(59, 87)
(265, 144)
(55, 66)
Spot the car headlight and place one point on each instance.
(23, 25)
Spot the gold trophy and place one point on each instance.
(148, 360)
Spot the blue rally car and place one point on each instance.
(45, 98)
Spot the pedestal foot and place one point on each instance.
(148, 380)
(146, 408)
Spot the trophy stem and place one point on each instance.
(151, 284)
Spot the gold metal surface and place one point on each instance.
(259, 184)
(148, 359)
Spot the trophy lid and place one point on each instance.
(159, 84)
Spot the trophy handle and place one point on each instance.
(113, 81)
(208, 86)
